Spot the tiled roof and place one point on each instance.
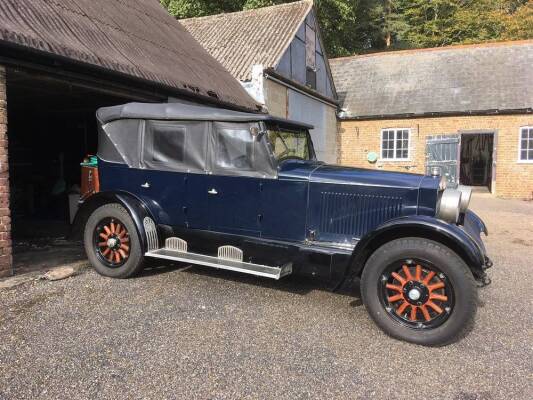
(242, 39)
(458, 79)
(136, 38)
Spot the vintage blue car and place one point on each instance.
(245, 192)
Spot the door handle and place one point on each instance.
(213, 191)
(145, 185)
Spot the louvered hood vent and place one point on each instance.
(355, 214)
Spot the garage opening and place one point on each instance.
(51, 128)
(476, 159)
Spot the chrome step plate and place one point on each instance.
(215, 262)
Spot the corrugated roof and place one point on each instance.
(457, 79)
(242, 39)
(137, 38)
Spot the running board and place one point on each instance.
(222, 263)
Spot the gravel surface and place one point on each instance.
(183, 333)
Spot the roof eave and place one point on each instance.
(13, 53)
(272, 72)
(351, 117)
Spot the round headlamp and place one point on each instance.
(466, 196)
(449, 207)
(443, 183)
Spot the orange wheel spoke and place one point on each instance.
(123, 254)
(104, 236)
(396, 297)
(117, 256)
(393, 287)
(407, 273)
(418, 275)
(112, 227)
(402, 308)
(126, 239)
(125, 248)
(438, 285)
(413, 313)
(436, 296)
(399, 278)
(106, 252)
(428, 277)
(107, 230)
(435, 307)
(102, 244)
(425, 313)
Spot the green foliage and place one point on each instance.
(355, 26)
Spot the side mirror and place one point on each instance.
(256, 133)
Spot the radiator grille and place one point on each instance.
(356, 214)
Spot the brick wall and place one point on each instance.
(513, 179)
(5, 219)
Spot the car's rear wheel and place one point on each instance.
(419, 291)
(112, 243)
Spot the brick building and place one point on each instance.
(59, 62)
(278, 55)
(467, 110)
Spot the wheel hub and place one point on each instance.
(112, 242)
(416, 295)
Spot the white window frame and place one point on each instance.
(520, 161)
(393, 159)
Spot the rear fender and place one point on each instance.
(135, 207)
(420, 226)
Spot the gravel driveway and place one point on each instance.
(198, 333)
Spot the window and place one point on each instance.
(526, 144)
(234, 149)
(311, 78)
(237, 150)
(169, 145)
(310, 57)
(290, 144)
(175, 146)
(310, 47)
(395, 144)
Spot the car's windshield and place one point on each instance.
(290, 143)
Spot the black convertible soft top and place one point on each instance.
(186, 112)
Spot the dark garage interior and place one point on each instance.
(51, 127)
(476, 159)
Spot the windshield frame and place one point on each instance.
(270, 126)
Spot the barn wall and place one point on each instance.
(323, 117)
(276, 99)
(293, 63)
(5, 215)
(513, 178)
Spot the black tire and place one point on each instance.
(461, 288)
(129, 266)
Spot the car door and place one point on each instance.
(173, 160)
(240, 164)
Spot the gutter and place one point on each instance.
(514, 111)
(269, 73)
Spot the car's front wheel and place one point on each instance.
(419, 291)
(112, 243)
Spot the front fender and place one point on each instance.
(133, 205)
(459, 238)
